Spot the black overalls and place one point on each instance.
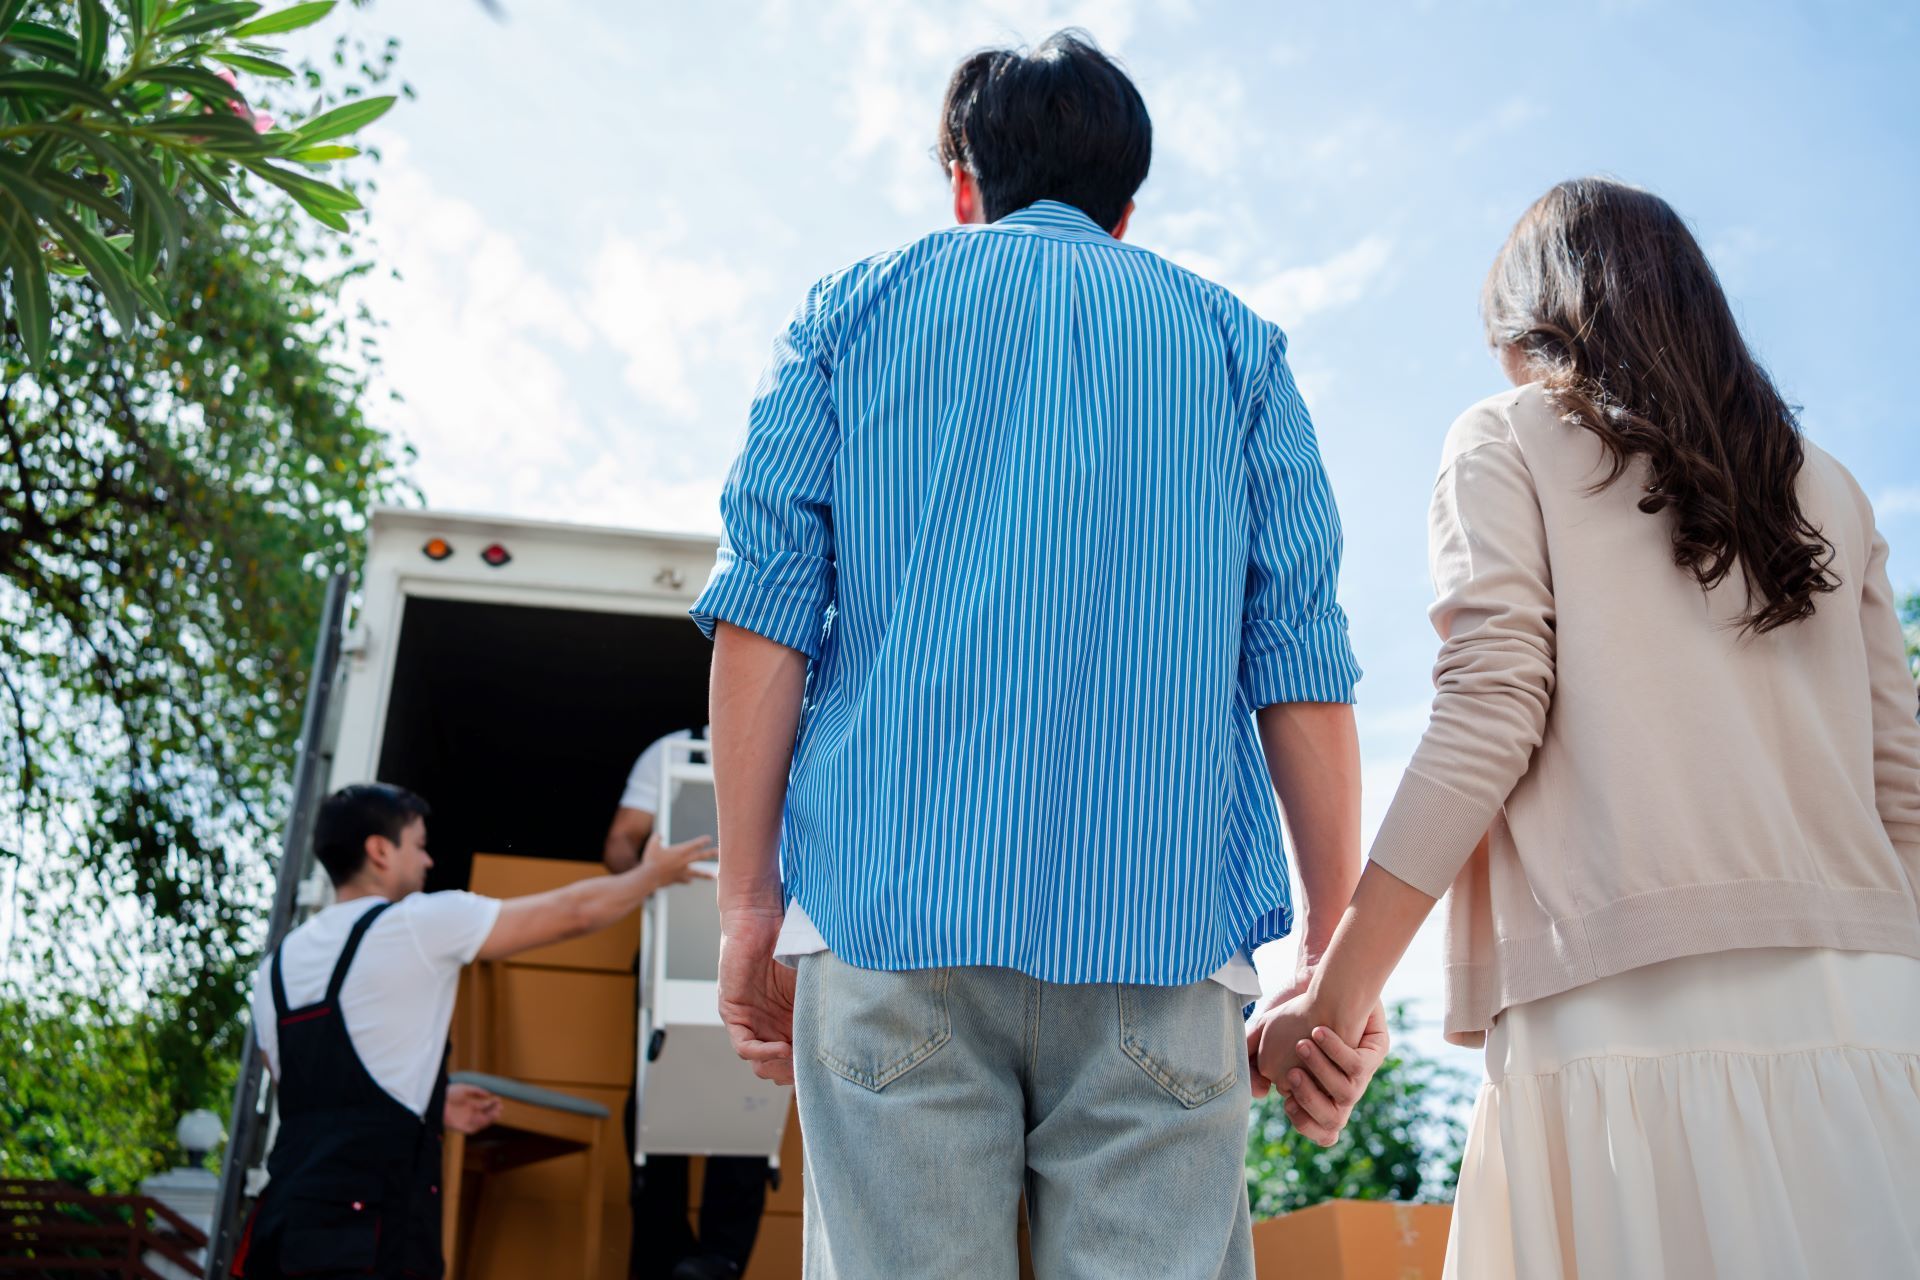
(355, 1187)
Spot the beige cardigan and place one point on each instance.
(1649, 782)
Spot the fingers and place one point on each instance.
(691, 849)
(1375, 1040)
(770, 1059)
(1343, 1056)
(1342, 1087)
(1305, 1092)
(1312, 1129)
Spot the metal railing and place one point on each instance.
(54, 1230)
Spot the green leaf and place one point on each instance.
(44, 41)
(56, 84)
(32, 304)
(322, 155)
(328, 205)
(152, 190)
(208, 182)
(84, 194)
(107, 265)
(341, 120)
(93, 38)
(9, 10)
(149, 237)
(202, 83)
(217, 131)
(200, 19)
(300, 15)
(255, 66)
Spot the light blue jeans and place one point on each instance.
(931, 1098)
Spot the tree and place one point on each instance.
(108, 116)
(169, 510)
(1404, 1141)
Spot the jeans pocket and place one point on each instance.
(1186, 1039)
(872, 1026)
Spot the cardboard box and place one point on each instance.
(1354, 1240)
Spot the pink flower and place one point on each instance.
(260, 120)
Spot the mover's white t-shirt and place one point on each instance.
(643, 783)
(398, 999)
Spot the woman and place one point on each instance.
(1672, 780)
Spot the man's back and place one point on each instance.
(1064, 506)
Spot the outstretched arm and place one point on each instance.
(587, 906)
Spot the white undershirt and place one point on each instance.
(799, 938)
(397, 1002)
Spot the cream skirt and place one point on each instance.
(1751, 1114)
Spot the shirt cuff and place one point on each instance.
(785, 600)
(1312, 662)
(1429, 833)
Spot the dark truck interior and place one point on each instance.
(519, 725)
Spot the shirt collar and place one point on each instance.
(1055, 218)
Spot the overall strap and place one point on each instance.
(345, 962)
(279, 986)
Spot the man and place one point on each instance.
(1042, 518)
(352, 1012)
(734, 1191)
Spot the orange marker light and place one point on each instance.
(437, 549)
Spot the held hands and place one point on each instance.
(469, 1108)
(1322, 1078)
(756, 991)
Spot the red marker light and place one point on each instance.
(437, 549)
(496, 555)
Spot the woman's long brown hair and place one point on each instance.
(1607, 294)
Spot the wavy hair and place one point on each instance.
(1608, 296)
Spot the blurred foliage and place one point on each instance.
(116, 121)
(89, 1096)
(171, 505)
(1404, 1141)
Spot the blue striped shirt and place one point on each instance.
(1047, 514)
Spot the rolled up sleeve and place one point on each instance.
(1293, 643)
(775, 574)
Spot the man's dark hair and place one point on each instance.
(351, 814)
(1062, 122)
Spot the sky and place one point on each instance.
(597, 214)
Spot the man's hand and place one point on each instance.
(1320, 1075)
(1257, 1024)
(756, 991)
(469, 1108)
(669, 864)
(1323, 1091)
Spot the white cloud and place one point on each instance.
(661, 312)
(1198, 121)
(498, 364)
(901, 56)
(1290, 294)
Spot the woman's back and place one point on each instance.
(1674, 782)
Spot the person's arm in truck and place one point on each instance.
(587, 906)
(627, 838)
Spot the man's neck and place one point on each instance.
(354, 889)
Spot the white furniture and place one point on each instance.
(696, 1097)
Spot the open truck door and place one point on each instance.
(511, 671)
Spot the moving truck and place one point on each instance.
(510, 671)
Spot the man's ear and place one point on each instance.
(967, 204)
(379, 851)
(1120, 227)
